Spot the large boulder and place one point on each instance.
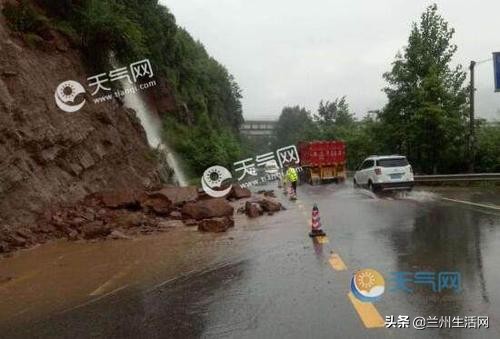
(216, 224)
(95, 229)
(157, 203)
(205, 209)
(253, 209)
(238, 192)
(269, 205)
(114, 199)
(179, 195)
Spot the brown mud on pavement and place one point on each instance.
(62, 276)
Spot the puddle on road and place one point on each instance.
(417, 195)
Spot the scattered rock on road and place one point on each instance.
(238, 192)
(125, 213)
(205, 209)
(253, 209)
(156, 202)
(114, 199)
(95, 229)
(269, 193)
(269, 205)
(179, 195)
(216, 224)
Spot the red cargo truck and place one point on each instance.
(322, 160)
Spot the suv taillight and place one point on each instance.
(378, 171)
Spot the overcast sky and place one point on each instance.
(290, 52)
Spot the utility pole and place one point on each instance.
(472, 134)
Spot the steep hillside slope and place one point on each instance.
(48, 156)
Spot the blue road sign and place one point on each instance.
(496, 64)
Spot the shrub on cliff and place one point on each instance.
(23, 17)
(202, 145)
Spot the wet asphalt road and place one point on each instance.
(268, 279)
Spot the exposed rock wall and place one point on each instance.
(48, 156)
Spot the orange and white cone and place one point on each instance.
(316, 223)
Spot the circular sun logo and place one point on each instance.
(367, 285)
(366, 280)
(213, 179)
(66, 96)
(67, 92)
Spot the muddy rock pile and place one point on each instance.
(127, 213)
(122, 215)
(256, 207)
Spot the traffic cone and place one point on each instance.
(316, 223)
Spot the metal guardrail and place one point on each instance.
(458, 177)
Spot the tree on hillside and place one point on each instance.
(334, 118)
(336, 112)
(295, 124)
(425, 116)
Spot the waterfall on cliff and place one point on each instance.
(151, 123)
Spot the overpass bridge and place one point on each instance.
(258, 128)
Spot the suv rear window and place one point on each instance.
(395, 162)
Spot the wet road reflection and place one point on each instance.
(266, 278)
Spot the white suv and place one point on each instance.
(388, 172)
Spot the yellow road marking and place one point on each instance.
(101, 289)
(91, 301)
(337, 263)
(369, 315)
(322, 240)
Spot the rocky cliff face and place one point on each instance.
(48, 156)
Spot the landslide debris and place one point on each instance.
(123, 214)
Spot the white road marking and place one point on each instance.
(493, 207)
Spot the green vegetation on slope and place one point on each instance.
(208, 112)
